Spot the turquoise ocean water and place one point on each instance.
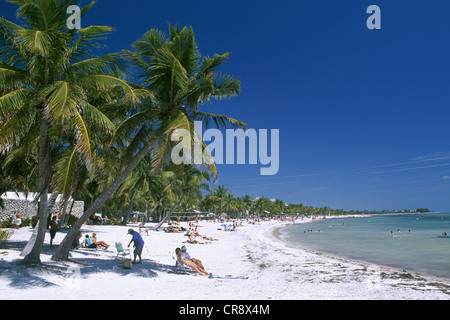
(414, 247)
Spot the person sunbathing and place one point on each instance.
(89, 243)
(209, 238)
(193, 232)
(193, 240)
(99, 243)
(172, 229)
(194, 260)
(190, 263)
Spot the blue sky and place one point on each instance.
(363, 114)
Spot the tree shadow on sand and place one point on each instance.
(83, 264)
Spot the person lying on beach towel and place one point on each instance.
(194, 241)
(209, 238)
(172, 229)
(188, 262)
(193, 232)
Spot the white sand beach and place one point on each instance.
(275, 270)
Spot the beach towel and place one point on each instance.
(228, 276)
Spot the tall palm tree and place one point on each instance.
(248, 201)
(230, 204)
(147, 181)
(171, 67)
(279, 206)
(191, 181)
(261, 205)
(49, 76)
(207, 203)
(219, 194)
(177, 81)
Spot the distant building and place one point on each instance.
(26, 205)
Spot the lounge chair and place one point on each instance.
(180, 266)
(121, 251)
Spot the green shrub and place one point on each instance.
(71, 220)
(5, 235)
(6, 223)
(26, 222)
(34, 221)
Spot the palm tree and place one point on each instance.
(50, 76)
(219, 195)
(248, 201)
(207, 203)
(262, 204)
(148, 182)
(191, 181)
(176, 82)
(229, 203)
(279, 206)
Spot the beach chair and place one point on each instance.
(180, 267)
(121, 251)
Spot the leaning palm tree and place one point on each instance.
(177, 81)
(181, 81)
(50, 75)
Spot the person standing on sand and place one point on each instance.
(138, 244)
(53, 229)
(16, 219)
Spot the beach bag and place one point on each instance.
(127, 264)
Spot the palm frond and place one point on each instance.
(13, 101)
(107, 82)
(208, 64)
(225, 86)
(111, 64)
(35, 41)
(184, 48)
(65, 171)
(221, 121)
(62, 98)
(96, 117)
(82, 136)
(16, 125)
(86, 42)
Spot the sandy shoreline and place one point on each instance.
(275, 270)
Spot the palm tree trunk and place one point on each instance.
(169, 214)
(130, 208)
(151, 212)
(64, 213)
(33, 257)
(62, 252)
(32, 241)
